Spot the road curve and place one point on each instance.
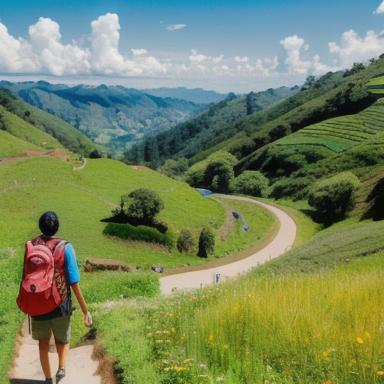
(198, 279)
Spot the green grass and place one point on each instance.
(341, 133)
(321, 326)
(32, 185)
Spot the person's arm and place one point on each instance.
(79, 296)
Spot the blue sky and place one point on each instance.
(239, 46)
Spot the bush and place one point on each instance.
(252, 183)
(295, 188)
(145, 204)
(140, 233)
(206, 243)
(185, 242)
(219, 175)
(333, 198)
(139, 208)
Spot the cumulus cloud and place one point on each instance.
(380, 9)
(175, 27)
(294, 45)
(45, 54)
(354, 49)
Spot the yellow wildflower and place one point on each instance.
(360, 340)
(210, 338)
(380, 373)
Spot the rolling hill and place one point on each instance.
(332, 95)
(203, 131)
(40, 128)
(112, 116)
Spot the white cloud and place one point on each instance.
(54, 57)
(239, 59)
(139, 52)
(293, 45)
(44, 54)
(380, 9)
(175, 27)
(354, 49)
(16, 55)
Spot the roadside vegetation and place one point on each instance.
(313, 315)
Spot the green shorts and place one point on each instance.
(60, 327)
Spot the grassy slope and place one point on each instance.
(81, 199)
(66, 134)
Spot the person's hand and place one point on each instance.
(88, 319)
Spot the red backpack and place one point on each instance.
(43, 287)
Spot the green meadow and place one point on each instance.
(283, 323)
(31, 185)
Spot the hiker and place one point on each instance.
(66, 277)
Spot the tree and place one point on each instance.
(185, 242)
(144, 205)
(219, 174)
(334, 197)
(252, 183)
(206, 243)
(173, 168)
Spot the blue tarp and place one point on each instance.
(204, 192)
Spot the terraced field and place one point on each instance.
(342, 133)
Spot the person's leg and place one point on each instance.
(61, 328)
(62, 351)
(44, 357)
(41, 331)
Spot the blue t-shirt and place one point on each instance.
(73, 270)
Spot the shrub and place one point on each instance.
(252, 183)
(145, 204)
(334, 197)
(295, 188)
(206, 243)
(140, 233)
(185, 242)
(219, 174)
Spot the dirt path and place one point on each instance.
(80, 366)
(198, 279)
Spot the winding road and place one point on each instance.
(82, 367)
(198, 279)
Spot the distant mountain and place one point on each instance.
(196, 95)
(112, 116)
(209, 128)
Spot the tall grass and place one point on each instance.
(320, 328)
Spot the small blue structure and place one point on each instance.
(235, 215)
(204, 192)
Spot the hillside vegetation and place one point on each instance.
(332, 95)
(206, 129)
(34, 180)
(13, 110)
(313, 315)
(114, 117)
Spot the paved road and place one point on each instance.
(197, 279)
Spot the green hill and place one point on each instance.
(25, 121)
(206, 129)
(112, 116)
(241, 129)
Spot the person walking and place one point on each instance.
(66, 274)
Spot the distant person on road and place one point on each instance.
(58, 320)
